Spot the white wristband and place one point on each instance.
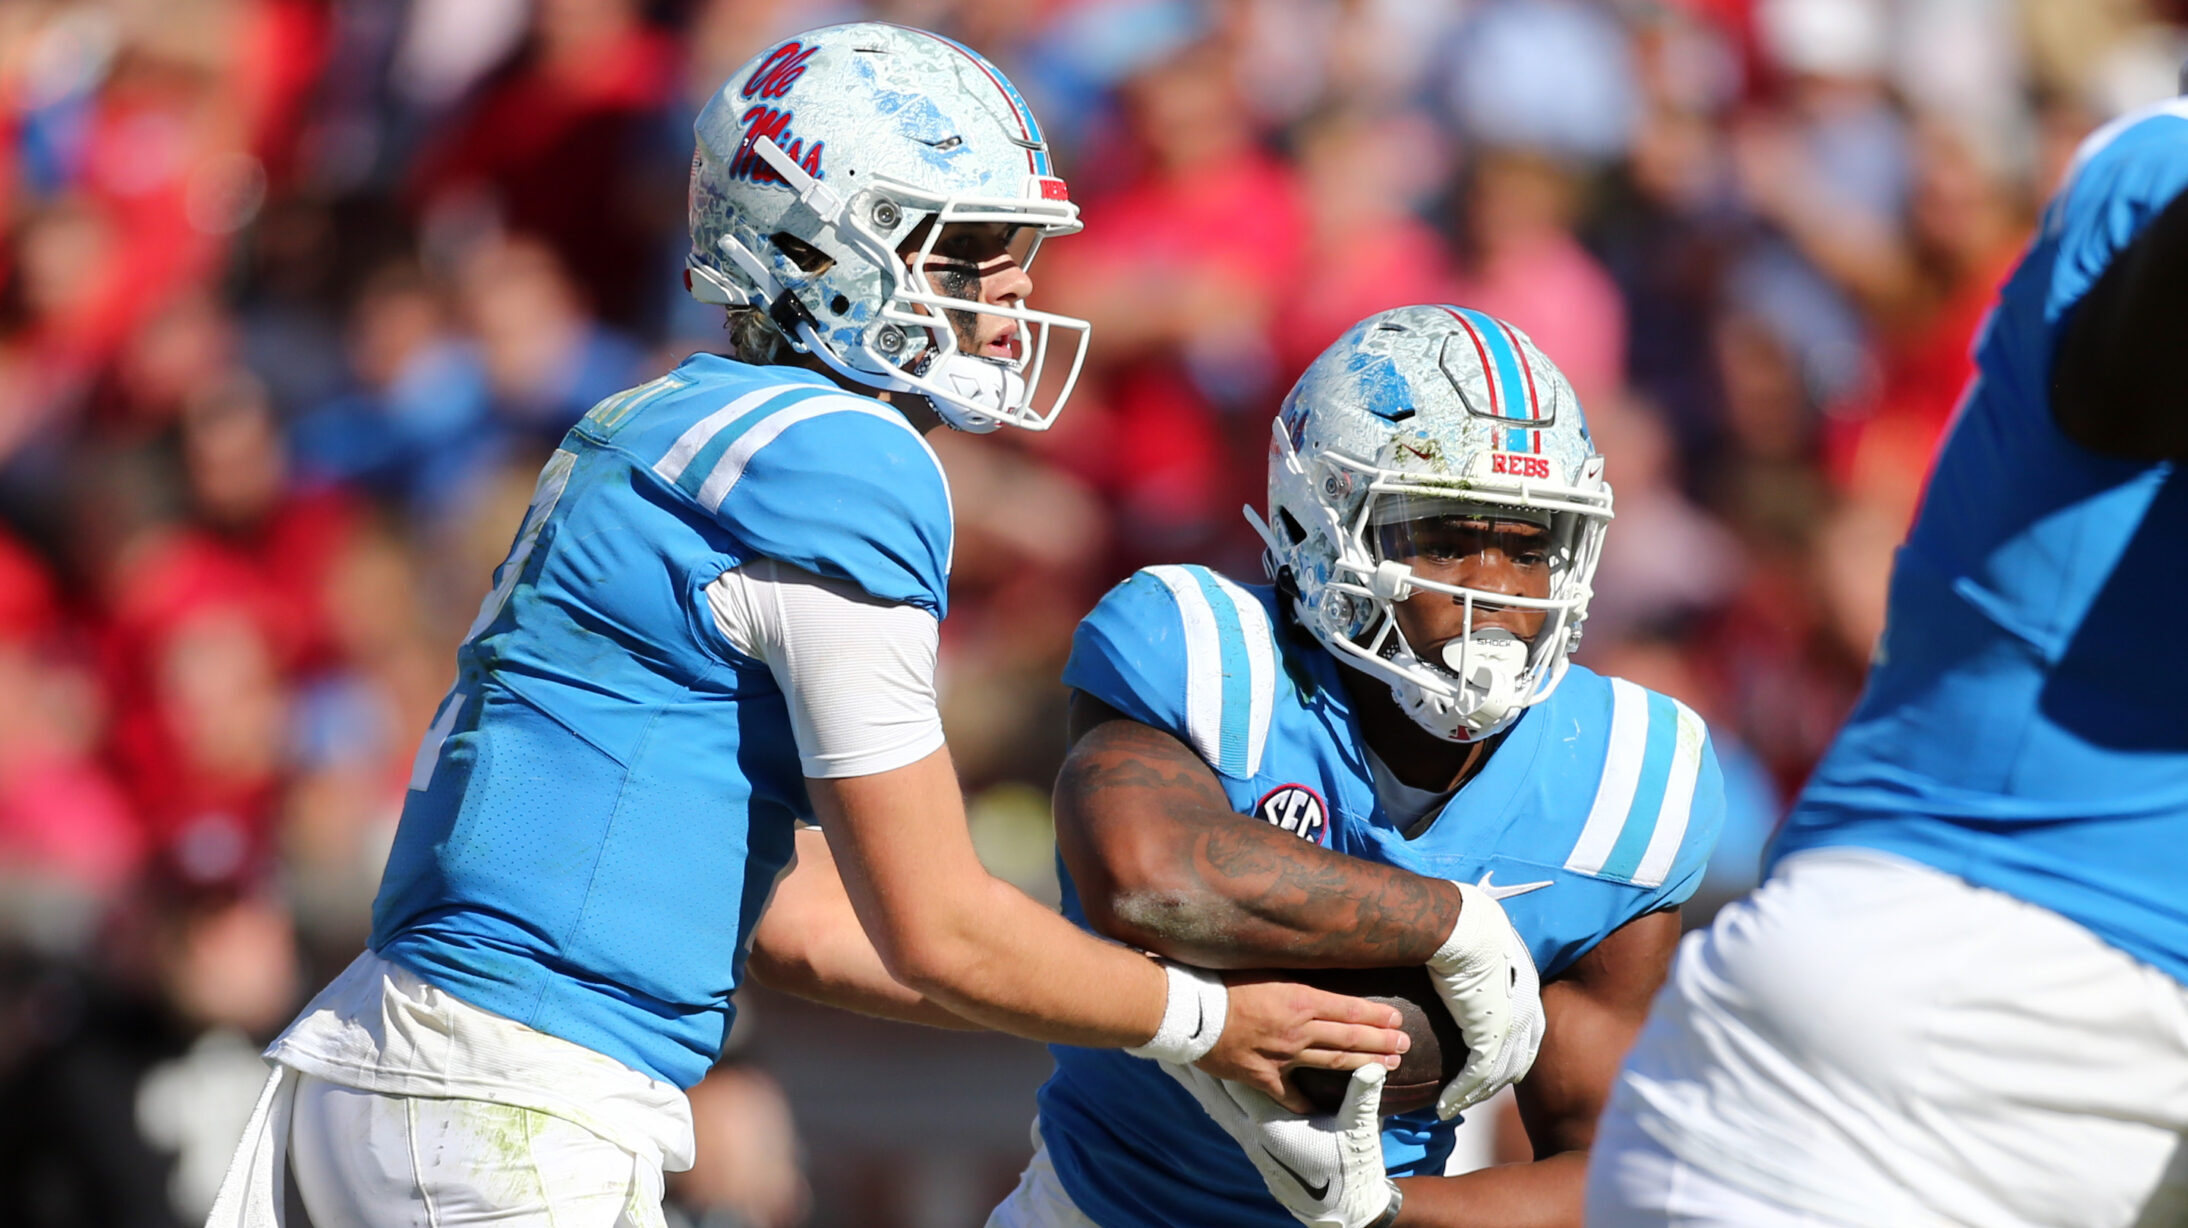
(1192, 1016)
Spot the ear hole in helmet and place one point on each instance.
(808, 258)
(1294, 532)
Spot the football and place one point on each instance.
(1438, 1050)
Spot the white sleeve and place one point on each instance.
(857, 672)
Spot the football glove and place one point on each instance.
(1487, 978)
(1326, 1170)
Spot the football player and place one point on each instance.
(1327, 771)
(1958, 996)
(718, 617)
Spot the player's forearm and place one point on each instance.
(1246, 895)
(809, 942)
(1162, 862)
(1547, 1193)
(942, 925)
(868, 990)
(1005, 961)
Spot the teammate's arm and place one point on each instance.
(1594, 1010)
(2119, 383)
(1163, 862)
(809, 943)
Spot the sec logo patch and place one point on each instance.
(1296, 809)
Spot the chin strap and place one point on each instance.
(981, 382)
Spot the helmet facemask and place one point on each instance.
(1479, 671)
(1367, 521)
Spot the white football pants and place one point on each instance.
(1866, 1041)
(367, 1160)
(1039, 1201)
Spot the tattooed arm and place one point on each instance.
(1163, 862)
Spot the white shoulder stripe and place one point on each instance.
(1678, 807)
(731, 466)
(1253, 625)
(672, 466)
(1203, 663)
(1230, 676)
(723, 478)
(1621, 775)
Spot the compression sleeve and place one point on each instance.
(857, 672)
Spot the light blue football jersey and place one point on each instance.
(608, 793)
(2025, 725)
(1601, 805)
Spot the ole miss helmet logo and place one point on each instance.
(779, 71)
(1296, 809)
(770, 82)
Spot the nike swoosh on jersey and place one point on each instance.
(1506, 893)
(1316, 1192)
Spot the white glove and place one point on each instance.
(1326, 1170)
(1487, 978)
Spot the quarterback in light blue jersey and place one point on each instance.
(719, 618)
(1332, 770)
(1959, 997)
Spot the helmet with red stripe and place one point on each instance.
(1418, 414)
(826, 156)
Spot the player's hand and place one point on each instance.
(1327, 1171)
(1487, 978)
(1272, 1026)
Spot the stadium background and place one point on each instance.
(295, 295)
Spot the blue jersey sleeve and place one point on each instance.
(838, 485)
(2124, 175)
(1188, 652)
(1129, 652)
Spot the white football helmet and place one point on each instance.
(822, 155)
(1423, 412)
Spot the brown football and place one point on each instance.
(1438, 1050)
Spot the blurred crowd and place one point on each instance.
(296, 295)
